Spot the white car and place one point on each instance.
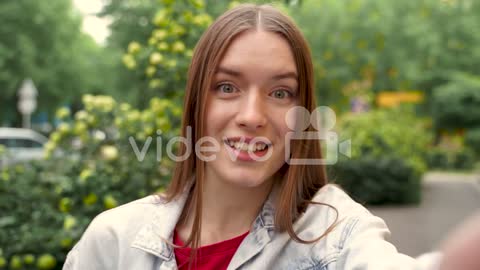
(21, 145)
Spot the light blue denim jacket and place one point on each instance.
(132, 237)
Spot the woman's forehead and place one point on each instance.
(258, 51)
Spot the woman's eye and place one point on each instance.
(226, 88)
(281, 94)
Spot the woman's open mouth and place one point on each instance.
(246, 149)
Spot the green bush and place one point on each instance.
(31, 224)
(90, 167)
(453, 159)
(387, 160)
(464, 160)
(379, 180)
(455, 104)
(472, 140)
(438, 159)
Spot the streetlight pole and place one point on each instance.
(27, 101)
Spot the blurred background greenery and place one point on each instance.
(402, 77)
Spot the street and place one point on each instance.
(447, 200)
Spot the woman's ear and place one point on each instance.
(461, 248)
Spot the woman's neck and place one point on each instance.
(227, 210)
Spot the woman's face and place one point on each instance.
(253, 87)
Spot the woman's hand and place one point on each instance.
(462, 247)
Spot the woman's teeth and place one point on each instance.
(247, 147)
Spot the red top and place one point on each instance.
(214, 256)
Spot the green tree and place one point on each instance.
(131, 20)
(43, 41)
(455, 105)
(388, 45)
(160, 61)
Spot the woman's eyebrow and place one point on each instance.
(286, 75)
(235, 73)
(229, 71)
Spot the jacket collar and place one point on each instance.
(266, 217)
(155, 237)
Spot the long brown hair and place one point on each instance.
(299, 182)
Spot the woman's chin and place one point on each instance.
(247, 181)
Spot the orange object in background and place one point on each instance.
(389, 99)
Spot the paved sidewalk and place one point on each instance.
(447, 200)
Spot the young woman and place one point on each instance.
(237, 201)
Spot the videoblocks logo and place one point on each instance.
(298, 119)
(323, 120)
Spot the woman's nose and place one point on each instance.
(251, 114)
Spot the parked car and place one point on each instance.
(21, 145)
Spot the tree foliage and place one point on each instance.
(104, 155)
(376, 45)
(455, 105)
(387, 156)
(160, 62)
(43, 41)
